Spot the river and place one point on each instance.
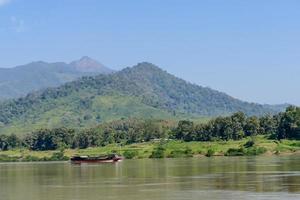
(190, 179)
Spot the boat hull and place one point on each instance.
(94, 161)
(87, 159)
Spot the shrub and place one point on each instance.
(158, 152)
(30, 158)
(254, 151)
(187, 152)
(235, 152)
(295, 144)
(58, 156)
(210, 152)
(176, 154)
(5, 158)
(250, 143)
(130, 154)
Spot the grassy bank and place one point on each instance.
(169, 149)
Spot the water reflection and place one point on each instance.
(205, 178)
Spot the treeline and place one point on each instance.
(122, 131)
(284, 125)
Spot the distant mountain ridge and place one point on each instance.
(19, 81)
(143, 91)
(88, 65)
(278, 107)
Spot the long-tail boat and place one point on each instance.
(111, 158)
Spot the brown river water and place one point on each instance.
(177, 179)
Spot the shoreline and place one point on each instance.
(164, 149)
(198, 156)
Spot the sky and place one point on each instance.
(248, 49)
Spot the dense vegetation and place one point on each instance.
(144, 91)
(284, 125)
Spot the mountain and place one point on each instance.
(143, 91)
(19, 81)
(88, 65)
(278, 107)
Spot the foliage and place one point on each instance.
(289, 124)
(249, 143)
(158, 152)
(235, 127)
(210, 152)
(235, 152)
(144, 91)
(6, 158)
(284, 125)
(9, 142)
(145, 149)
(251, 151)
(180, 153)
(254, 151)
(45, 139)
(58, 156)
(130, 154)
(31, 158)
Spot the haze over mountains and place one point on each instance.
(143, 91)
(20, 80)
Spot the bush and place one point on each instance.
(252, 151)
(30, 158)
(158, 152)
(210, 152)
(57, 156)
(187, 152)
(177, 154)
(295, 144)
(235, 152)
(130, 154)
(250, 143)
(5, 158)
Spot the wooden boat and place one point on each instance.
(112, 158)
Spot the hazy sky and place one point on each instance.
(248, 49)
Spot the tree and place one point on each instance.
(268, 125)
(151, 130)
(13, 141)
(43, 140)
(81, 140)
(223, 128)
(3, 143)
(251, 127)
(238, 123)
(289, 125)
(185, 131)
(63, 136)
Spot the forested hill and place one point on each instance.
(19, 81)
(143, 91)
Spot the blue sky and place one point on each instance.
(248, 49)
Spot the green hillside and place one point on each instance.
(143, 91)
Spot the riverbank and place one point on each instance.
(169, 149)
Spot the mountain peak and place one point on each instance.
(145, 67)
(85, 57)
(87, 64)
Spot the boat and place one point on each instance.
(111, 158)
